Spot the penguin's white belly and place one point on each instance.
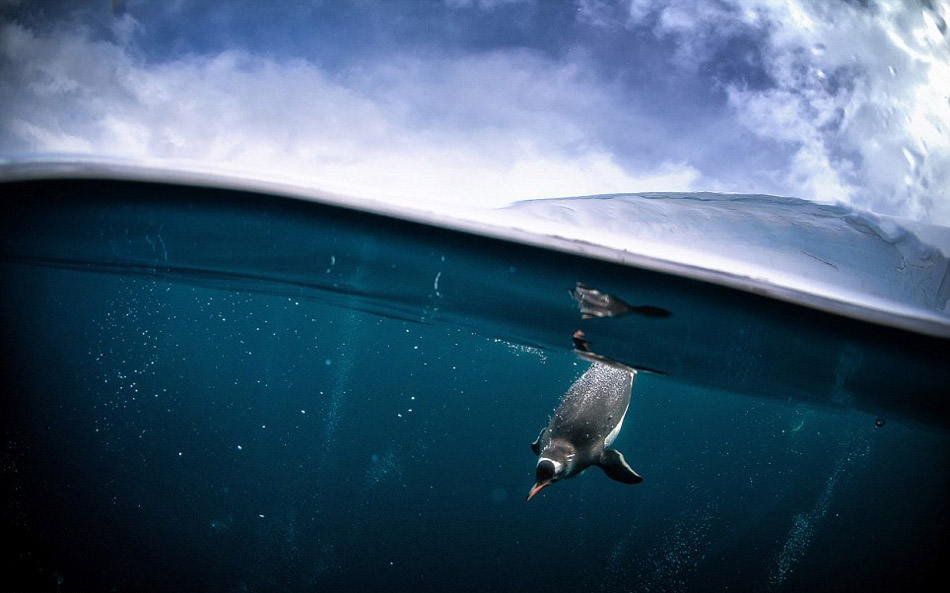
(613, 433)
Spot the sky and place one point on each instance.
(484, 102)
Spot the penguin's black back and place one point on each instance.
(592, 407)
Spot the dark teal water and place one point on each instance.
(210, 390)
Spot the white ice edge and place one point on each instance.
(753, 277)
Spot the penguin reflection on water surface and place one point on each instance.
(584, 424)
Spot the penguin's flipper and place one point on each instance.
(616, 468)
(536, 445)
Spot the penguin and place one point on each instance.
(594, 303)
(584, 424)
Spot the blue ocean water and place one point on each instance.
(220, 391)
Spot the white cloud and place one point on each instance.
(859, 94)
(866, 90)
(484, 129)
(855, 99)
(700, 27)
(863, 94)
(483, 4)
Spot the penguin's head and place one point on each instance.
(553, 465)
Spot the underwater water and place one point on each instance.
(221, 391)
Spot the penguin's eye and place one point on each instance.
(545, 470)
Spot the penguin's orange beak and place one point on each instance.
(536, 488)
